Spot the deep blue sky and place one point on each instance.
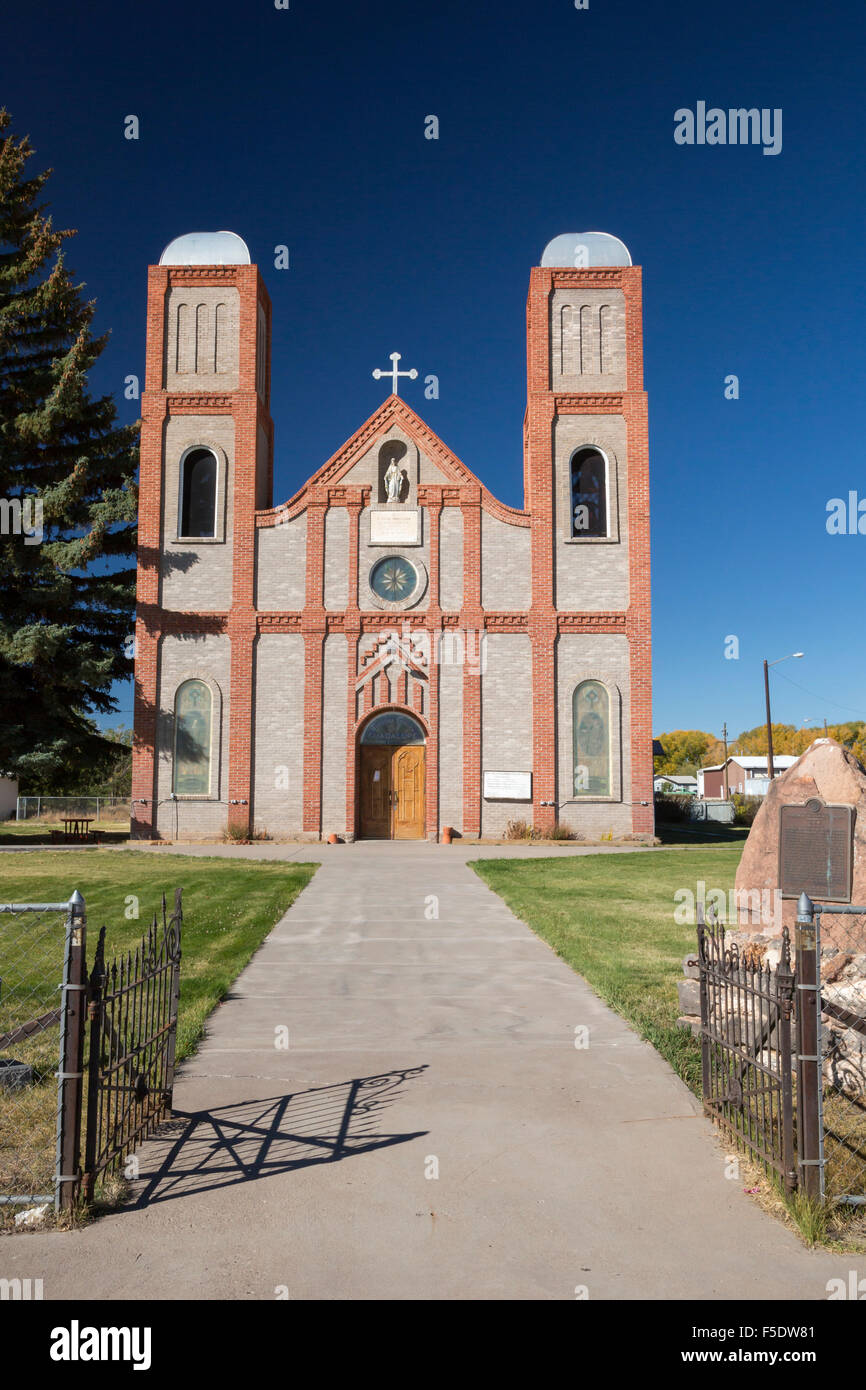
(306, 127)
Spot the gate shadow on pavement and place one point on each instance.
(210, 1149)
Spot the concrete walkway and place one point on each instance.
(423, 1045)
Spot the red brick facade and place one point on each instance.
(418, 687)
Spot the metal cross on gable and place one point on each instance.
(394, 373)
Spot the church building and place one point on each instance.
(393, 650)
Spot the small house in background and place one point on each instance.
(674, 784)
(8, 797)
(747, 775)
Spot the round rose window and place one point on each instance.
(393, 578)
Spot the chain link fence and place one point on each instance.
(33, 948)
(51, 810)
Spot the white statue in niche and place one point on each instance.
(393, 481)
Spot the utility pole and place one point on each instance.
(725, 741)
(771, 772)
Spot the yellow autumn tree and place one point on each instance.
(685, 750)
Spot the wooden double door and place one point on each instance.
(392, 792)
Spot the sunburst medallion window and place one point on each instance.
(393, 578)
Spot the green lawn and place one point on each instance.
(229, 906)
(12, 832)
(611, 917)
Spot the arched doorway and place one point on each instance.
(391, 775)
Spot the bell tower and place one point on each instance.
(586, 482)
(206, 467)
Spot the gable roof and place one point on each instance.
(751, 763)
(760, 764)
(393, 412)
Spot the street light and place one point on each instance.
(771, 771)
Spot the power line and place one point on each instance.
(815, 696)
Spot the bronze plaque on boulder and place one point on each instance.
(816, 844)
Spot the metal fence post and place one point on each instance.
(69, 1075)
(705, 1011)
(175, 929)
(808, 1053)
(785, 996)
(95, 990)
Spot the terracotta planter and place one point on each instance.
(447, 832)
(333, 839)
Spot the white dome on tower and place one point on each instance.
(206, 248)
(579, 250)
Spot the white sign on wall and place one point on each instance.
(508, 786)
(395, 528)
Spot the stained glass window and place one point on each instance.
(591, 724)
(588, 494)
(393, 578)
(393, 728)
(198, 510)
(192, 739)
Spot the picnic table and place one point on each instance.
(76, 828)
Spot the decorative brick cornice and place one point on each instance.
(342, 496)
(590, 403)
(374, 622)
(203, 274)
(278, 622)
(592, 622)
(506, 622)
(169, 622)
(195, 403)
(574, 279)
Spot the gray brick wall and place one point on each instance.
(506, 722)
(185, 658)
(582, 657)
(334, 735)
(591, 575)
(197, 357)
(587, 352)
(197, 575)
(281, 560)
(279, 734)
(451, 745)
(336, 558)
(451, 558)
(505, 564)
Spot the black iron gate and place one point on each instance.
(746, 1052)
(132, 1011)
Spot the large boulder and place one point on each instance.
(832, 773)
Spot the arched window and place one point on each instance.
(393, 728)
(193, 706)
(198, 493)
(588, 494)
(591, 735)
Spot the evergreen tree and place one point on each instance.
(67, 497)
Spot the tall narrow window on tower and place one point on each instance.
(591, 735)
(192, 739)
(589, 509)
(198, 490)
